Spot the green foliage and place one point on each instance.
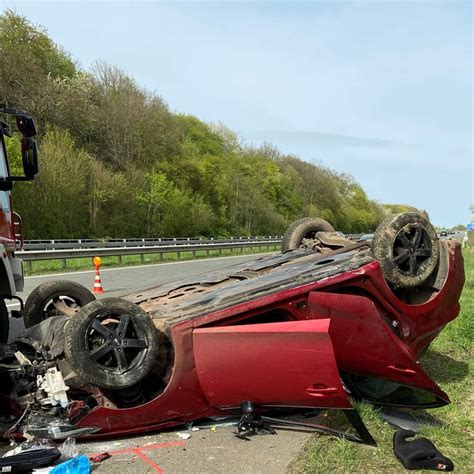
(198, 138)
(398, 208)
(30, 63)
(59, 195)
(114, 161)
(13, 146)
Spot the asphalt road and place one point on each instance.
(124, 280)
(206, 451)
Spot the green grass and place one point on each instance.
(449, 361)
(76, 264)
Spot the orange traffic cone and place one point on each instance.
(97, 261)
(97, 282)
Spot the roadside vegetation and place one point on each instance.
(449, 360)
(117, 162)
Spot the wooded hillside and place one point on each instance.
(115, 161)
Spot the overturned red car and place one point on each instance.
(327, 321)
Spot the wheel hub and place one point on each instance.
(115, 343)
(411, 248)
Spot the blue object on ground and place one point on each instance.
(77, 465)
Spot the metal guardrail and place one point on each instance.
(31, 245)
(65, 249)
(30, 256)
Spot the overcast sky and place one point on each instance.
(382, 91)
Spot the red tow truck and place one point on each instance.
(11, 229)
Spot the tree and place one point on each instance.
(29, 62)
(116, 162)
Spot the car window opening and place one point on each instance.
(380, 391)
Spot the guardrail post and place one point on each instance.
(142, 258)
(178, 254)
(120, 259)
(63, 263)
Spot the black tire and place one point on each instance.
(301, 229)
(38, 306)
(111, 343)
(4, 322)
(407, 248)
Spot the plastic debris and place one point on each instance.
(42, 470)
(54, 429)
(53, 384)
(28, 446)
(29, 459)
(69, 449)
(194, 428)
(22, 359)
(78, 465)
(184, 435)
(190, 427)
(13, 452)
(98, 458)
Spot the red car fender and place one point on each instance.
(366, 344)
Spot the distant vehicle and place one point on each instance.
(443, 234)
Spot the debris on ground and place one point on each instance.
(78, 465)
(27, 458)
(420, 453)
(69, 449)
(98, 458)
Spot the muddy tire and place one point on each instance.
(407, 248)
(111, 343)
(40, 304)
(303, 229)
(4, 322)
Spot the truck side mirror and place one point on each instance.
(29, 154)
(26, 126)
